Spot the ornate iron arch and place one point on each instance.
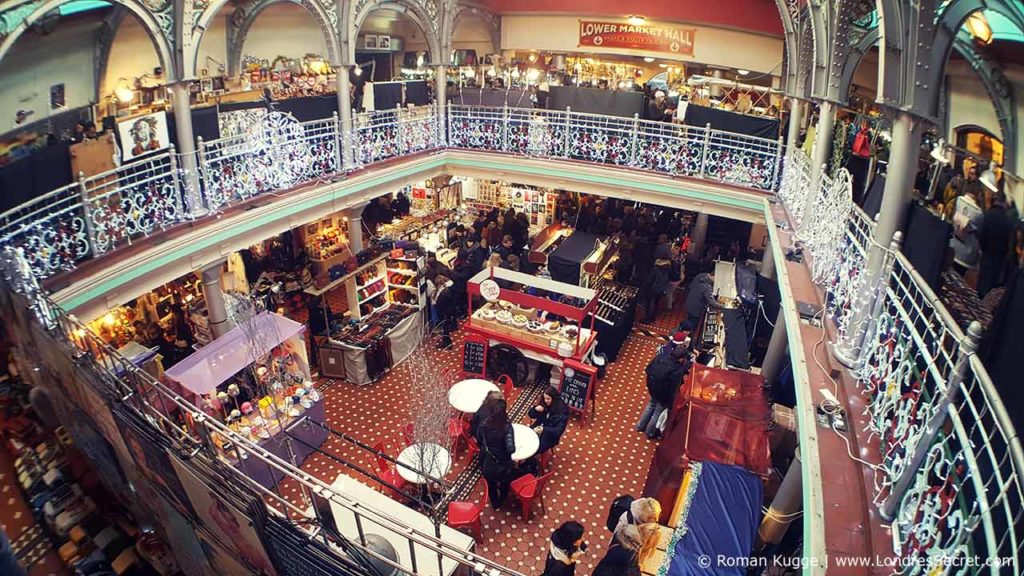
(157, 17)
(425, 13)
(947, 26)
(789, 13)
(243, 17)
(854, 58)
(324, 13)
(1000, 91)
(460, 12)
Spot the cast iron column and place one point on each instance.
(186, 148)
(215, 308)
(785, 507)
(775, 356)
(345, 115)
(699, 234)
(441, 96)
(796, 113)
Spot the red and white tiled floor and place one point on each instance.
(30, 544)
(595, 462)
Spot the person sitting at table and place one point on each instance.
(550, 417)
(497, 444)
(565, 549)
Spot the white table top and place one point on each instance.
(527, 442)
(467, 395)
(435, 458)
(426, 561)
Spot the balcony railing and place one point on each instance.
(104, 212)
(950, 461)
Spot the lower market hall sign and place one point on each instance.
(654, 38)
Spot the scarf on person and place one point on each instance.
(560, 555)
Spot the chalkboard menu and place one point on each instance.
(474, 356)
(577, 385)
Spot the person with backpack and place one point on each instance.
(664, 375)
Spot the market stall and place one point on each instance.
(266, 403)
(582, 258)
(544, 324)
(720, 416)
(716, 516)
(615, 315)
(363, 351)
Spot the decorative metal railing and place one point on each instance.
(275, 152)
(673, 149)
(135, 389)
(950, 462)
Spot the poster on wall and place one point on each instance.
(222, 519)
(143, 135)
(151, 461)
(651, 37)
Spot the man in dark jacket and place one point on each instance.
(664, 375)
(994, 241)
(699, 297)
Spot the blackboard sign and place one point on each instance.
(577, 385)
(474, 356)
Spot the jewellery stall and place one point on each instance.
(384, 324)
(269, 403)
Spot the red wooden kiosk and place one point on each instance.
(580, 378)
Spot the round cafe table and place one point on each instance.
(433, 459)
(467, 395)
(527, 442)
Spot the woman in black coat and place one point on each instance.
(497, 443)
(550, 417)
(565, 549)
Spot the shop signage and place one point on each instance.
(490, 290)
(650, 37)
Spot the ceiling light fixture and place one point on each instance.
(648, 59)
(743, 72)
(636, 20)
(123, 92)
(979, 28)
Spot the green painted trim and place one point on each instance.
(677, 188)
(807, 426)
(242, 227)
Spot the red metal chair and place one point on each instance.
(407, 434)
(545, 459)
(388, 473)
(458, 431)
(506, 385)
(466, 515)
(472, 448)
(527, 488)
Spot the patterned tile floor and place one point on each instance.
(595, 462)
(30, 544)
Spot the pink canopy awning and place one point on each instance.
(221, 359)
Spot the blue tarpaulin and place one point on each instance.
(720, 521)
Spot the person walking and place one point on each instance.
(565, 549)
(994, 241)
(664, 375)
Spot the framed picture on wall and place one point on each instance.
(370, 41)
(384, 42)
(311, 229)
(142, 135)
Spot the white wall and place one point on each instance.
(284, 29)
(131, 55)
(473, 33)
(36, 62)
(214, 43)
(713, 46)
(968, 101)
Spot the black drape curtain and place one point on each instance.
(925, 241)
(1003, 347)
(701, 116)
(495, 97)
(596, 101)
(44, 171)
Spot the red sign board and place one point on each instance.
(650, 37)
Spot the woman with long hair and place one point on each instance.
(565, 549)
(497, 443)
(550, 417)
